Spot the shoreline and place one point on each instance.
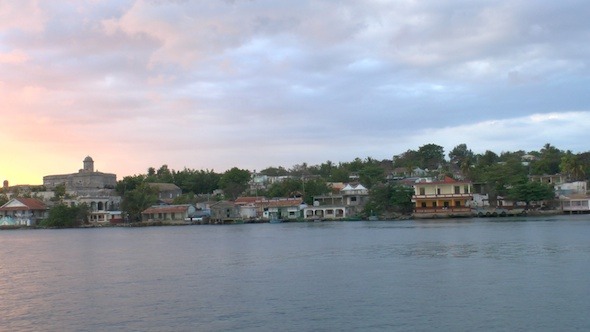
(528, 215)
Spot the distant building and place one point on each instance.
(166, 191)
(174, 213)
(86, 179)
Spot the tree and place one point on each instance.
(548, 162)
(3, 199)
(274, 171)
(571, 166)
(234, 181)
(487, 159)
(390, 198)
(498, 177)
(64, 216)
(59, 192)
(135, 201)
(431, 156)
(371, 174)
(129, 183)
(531, 191)
(462, 158)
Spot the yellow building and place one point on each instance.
(446, 198)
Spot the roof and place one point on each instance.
(167, 209)
(164, 186)
(446, 180)
(247, 200)
(282, 202)
(23, 204)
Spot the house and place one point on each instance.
(348, 202)
(573, 197)
(575, 204)
(166, 191)
(248, 208)
(22, 211)
(225, 212)
(281, 208)
(444, 198)
(174, 213)
(554, 179)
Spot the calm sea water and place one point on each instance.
(455, 275)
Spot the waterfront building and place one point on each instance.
(225, 212)
(281, 208)
(347, 203)
(23, 212)
(174, 213)
(442, 198)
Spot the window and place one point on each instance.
(458, 203)
(423, 204)
(457, 190)
(446, 204)
(422, 191)
(438, 191)
(466, 189)
(433, 204)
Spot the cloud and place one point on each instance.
(217, 84)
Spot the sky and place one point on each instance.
(216, 84)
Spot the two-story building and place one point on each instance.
(442, 198)
(347, 203)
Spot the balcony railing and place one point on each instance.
(442, 210)
(434, 196)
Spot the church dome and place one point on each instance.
(88, 159)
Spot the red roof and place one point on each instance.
(29, 204)
(247, 200)
(282, 202)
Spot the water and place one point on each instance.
(455, 275)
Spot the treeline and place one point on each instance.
(498, 174)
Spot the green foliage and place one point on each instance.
(234, 182)
(371, 174)
(274, 171)
(390, 198)
(59, 192)
(129, 183)
(137, 200)
(189, 198)
(462, 158)
(196, 182)
(64, 216)
(572, 166)
(431, 156)
(531, 191)
(548, 161)
(3, 199)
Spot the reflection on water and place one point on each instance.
(523, 274)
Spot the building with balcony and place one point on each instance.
(442, 198)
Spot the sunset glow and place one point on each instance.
(253, 84)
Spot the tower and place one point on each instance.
(88, 164)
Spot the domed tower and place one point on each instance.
(88, 164)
